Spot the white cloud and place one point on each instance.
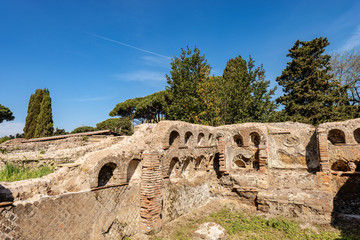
(156, 61)
(353, 41)
(11, 128)
(142, 76)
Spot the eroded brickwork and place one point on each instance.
(151, 189)
(110, 213)
(168, 169)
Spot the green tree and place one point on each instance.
(235, 91)
(5, 114)
(152, 107)
(45, 126)
(261, 107)
(211, 100)
(33, 113)
(39, 121)
(83, 129)
(59, 131)
(126, 109)
(186, 73)
(119, 125)
(309, 95)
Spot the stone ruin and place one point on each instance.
(116, 187)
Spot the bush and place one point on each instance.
(84, 129)
(4, 139)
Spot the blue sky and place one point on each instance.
(92, 55)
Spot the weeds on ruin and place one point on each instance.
(4, 151)
(243, 226)
(11, 173)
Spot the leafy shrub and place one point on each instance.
(4, 139)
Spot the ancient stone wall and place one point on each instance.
(109, 213)
(168, 169)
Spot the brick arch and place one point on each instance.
(356, 134)
(167, 137)
(133, 170)
(261, 145)
(237, 140)
(259, 133)
(172, 154)
(189, 138)
(203, 136)
(337, 135)
(107, 161)
(200, 162)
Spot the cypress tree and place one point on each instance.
(32, 113)
(44, 125)
(309, 95)
(39, 121)
(235, 91)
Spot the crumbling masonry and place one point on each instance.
(126, 185)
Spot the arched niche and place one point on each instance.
(107, 174)
(186, 165)
(340, 165)
(174, 138)
(336, 136)
(255, 139)
(188, 138)
(133, 171)
(240, 164)
(201, 139)
(238, 140)
(199, 162)
(211, 139)
(174, 163)
(357, 135)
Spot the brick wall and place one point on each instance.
(150, 196)
(100, 214)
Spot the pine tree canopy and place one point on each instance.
(309, 95)
(5, 114)
(152, 107)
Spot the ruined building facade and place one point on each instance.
(138, 183)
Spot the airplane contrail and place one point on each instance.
(127, 45)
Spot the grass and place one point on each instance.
(243, 226)
(13, 173)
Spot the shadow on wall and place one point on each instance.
(312, 155)
(5, 195)
(346, 211)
